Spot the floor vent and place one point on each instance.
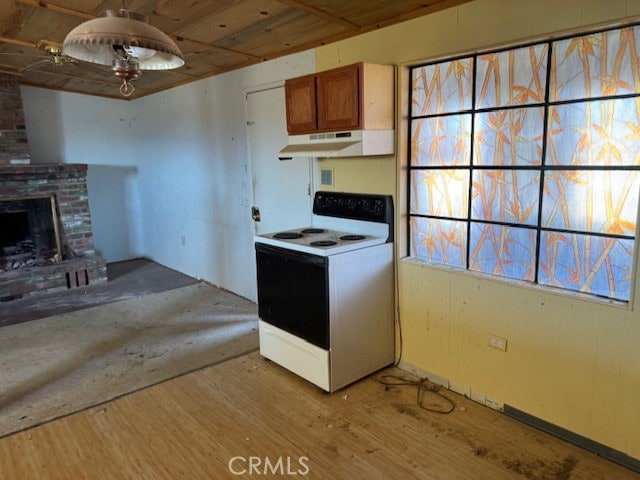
(77, 278)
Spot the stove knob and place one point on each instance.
(351, 204)
(377, 209)
(366, 206)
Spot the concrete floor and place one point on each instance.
(65, 351)
(128, 279)
(54, 366)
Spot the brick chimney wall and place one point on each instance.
(79, 265)
(14, 148)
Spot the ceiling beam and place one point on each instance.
(320, 13)
(57, 8)
(44, 43)
(15, 41)
(4, 68)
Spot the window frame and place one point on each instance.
(543, 168)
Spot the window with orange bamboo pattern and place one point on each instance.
(524, 162)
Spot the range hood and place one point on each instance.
(356, 143)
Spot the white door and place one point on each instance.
(281, 188)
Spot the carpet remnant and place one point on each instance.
(56, 366)
(127, 279)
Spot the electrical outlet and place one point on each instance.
(498, 343)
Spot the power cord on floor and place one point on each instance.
(423, 385)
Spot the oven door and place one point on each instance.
(293, 292)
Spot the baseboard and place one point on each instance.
(571, 437)
(600, 449)
(432, 377)
(474, 395)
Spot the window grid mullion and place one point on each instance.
(410, 153)
(526, 226)
(471, 159)
(549, 168)
(543, 154)
(554, 103)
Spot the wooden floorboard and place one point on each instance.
(192, 426)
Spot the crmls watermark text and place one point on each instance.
(266, 465)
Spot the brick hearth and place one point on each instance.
(80, 264)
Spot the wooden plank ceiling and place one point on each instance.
(215, 36)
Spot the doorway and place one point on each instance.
(282, 189)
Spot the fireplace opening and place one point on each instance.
(29, 233)
(15, 228)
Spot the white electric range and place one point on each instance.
(326, 291)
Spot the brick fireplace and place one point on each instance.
(46, 240)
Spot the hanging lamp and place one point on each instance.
(125, 41)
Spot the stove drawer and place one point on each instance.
(295, 354)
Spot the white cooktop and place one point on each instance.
(307, 242)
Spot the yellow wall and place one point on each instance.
(570, 361)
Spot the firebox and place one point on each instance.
(29, 233)
(46, 241)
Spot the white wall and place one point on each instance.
(169, 175)
(194, 173)
(72, 128)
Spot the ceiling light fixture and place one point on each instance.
(125, 41)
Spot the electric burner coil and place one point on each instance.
(323, 243)
(287, 235)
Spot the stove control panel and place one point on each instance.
(357, 206)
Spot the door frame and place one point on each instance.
(246, 91)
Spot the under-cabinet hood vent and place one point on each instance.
(357, 143)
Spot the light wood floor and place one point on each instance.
(193, 426)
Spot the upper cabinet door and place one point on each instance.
(339, 99)
(300, 95)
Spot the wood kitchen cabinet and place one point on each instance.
(338, 93)
(300, 96)
(354, 97)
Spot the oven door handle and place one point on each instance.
(301, 257)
